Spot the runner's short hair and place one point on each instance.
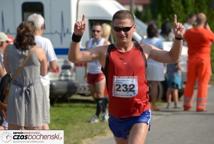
(123, 14)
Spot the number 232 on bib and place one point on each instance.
(125, 86)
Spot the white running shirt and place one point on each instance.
(94, 67)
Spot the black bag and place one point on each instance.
(5, 86)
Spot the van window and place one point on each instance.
(29, 8)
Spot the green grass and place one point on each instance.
(73, 118)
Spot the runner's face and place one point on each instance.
(123, 29)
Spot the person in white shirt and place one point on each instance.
(191, 19)
(3, 45)
(46, 44)
(4, 42)
(155, 69)
(95, 77)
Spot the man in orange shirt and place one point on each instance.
(199, 40)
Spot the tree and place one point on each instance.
(161, 10)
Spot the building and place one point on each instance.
(134, 4)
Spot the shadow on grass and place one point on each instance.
(73, 99)
(86, 101)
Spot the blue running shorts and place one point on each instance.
(120, 127)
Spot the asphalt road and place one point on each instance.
(178, 127)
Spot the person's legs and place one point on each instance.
(100, 90)
(45, 127)
(92, 88)
(138, 133)
(175, 97)
(1, 128)
(120, 129)
(189, 87)
(168, 97)
(131, 130)
(46, 85)
(95, 117)
(97, 87)
(15, 127)
(121, 140)
(91, 84)
(154, 94)
(34, 127)
(204, 74)
(18, 127)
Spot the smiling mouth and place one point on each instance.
(123, 37)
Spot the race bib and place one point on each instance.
(125, 86)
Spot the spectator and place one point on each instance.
(199, 40)
(106, 32)
(10, 39)
(95, 77)
(190, 22)
(166, 31)
(46, 44)
(27, 104)
(4, 42)
(174, 83)
(155, 70)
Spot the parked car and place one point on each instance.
(62, 88)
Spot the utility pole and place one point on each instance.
(131, 4)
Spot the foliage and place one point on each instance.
(161, 10)
(146, 15)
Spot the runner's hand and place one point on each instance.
(79, 26)
(178, 28)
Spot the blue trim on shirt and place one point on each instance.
(62, 51)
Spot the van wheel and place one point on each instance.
(52, 101)
(162, 89)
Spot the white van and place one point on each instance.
(60, 16)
